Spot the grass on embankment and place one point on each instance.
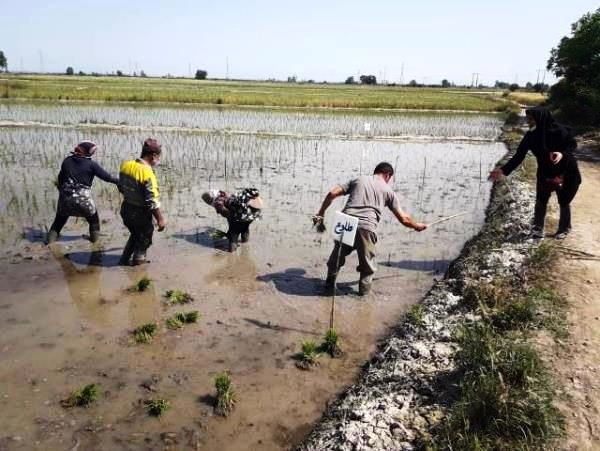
(506, 396)
(136, 89)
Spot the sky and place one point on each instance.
(397, 41)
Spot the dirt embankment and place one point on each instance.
(577, 363)
(405, 390)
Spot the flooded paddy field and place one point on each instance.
(67, 314)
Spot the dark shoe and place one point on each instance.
(233, 245)
(245, 236)
(94, 236)
(561, 235)
(139, 259)
(537, 233)
(364, 287)
(52, 237)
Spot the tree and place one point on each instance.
(3, 62)
(413, 83)
(513, 87)
(69, 71)
(350, 81)
(445, 83)
(576, 60)
(501, 84)
(368, 79)
(201, 74)
(81, 72)
(119, 73)
(292, 79)
(143, 74)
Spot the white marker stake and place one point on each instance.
(344, 228)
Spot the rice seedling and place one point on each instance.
(308, 356)
(226, 395)
(330, 344)
(178, 320)
(141, 285)
(177, 296)
(144, 333)
(156, 407)
(218, 234)
(82, 397)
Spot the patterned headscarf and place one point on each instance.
(85, 149)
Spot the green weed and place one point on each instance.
(141, 285)
(144, 333)
(178, 320)
(226, 396)
(178, 297)
(330, 344)
(157, 407)
(416, 315)
(82, 397)
(308, 356)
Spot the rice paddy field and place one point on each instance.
(221, 92)
(68, 312)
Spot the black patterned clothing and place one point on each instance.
(235, 206)
(75, 186)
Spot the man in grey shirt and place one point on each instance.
(367, 196)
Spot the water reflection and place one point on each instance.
(84, 285)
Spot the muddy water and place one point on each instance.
(66, 314)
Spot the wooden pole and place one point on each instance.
(337, 268)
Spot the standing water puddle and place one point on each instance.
(66, 312)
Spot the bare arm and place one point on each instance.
(160, 219)
(336, 191)
(407, 221)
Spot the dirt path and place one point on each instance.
(578, 363)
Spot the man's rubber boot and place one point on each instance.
(329, 285)
(52, 237)
(364, 286)
(127, 253)
(139, 259)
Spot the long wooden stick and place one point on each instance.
(448, 218)
(337, 266)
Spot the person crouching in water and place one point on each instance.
(240, 209)
(75, 179)
(141, 202)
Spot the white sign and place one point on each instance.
(344, 228)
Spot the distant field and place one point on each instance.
(247, 93)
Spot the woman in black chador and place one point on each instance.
(553, 145)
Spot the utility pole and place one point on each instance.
(476, 79)
(402, 74)
(537, 80)
(227, 68)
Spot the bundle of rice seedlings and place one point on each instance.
(226, 396)
(82, 397)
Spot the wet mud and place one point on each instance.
(66, 312)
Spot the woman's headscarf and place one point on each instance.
(85, 149)
(551, 134)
